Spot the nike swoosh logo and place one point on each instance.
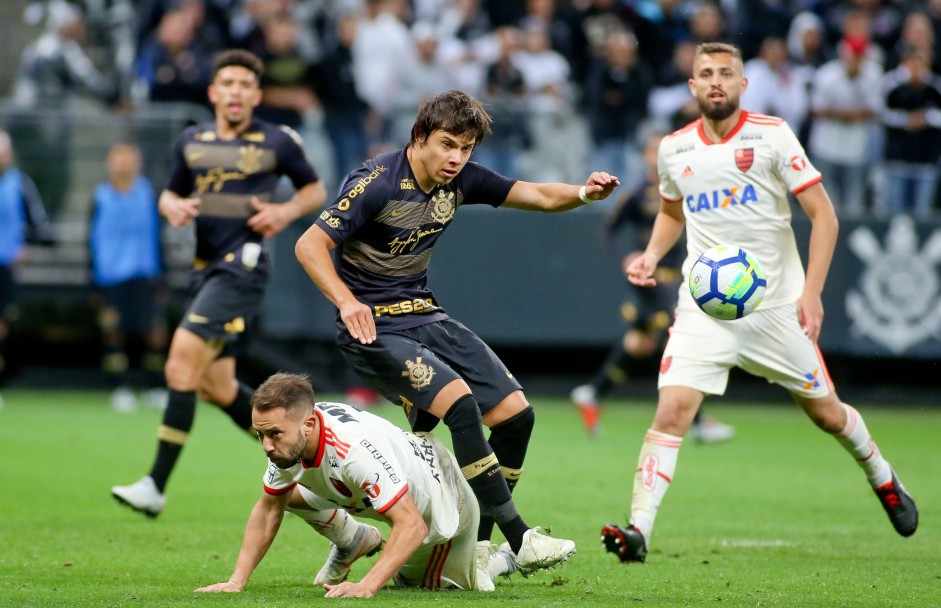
(398, 213)
(195, 155)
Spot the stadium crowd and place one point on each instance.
(856, 79)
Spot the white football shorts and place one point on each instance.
(451, 563)
(769, 343)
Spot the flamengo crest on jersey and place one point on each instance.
(735, 191)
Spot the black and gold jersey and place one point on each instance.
(226, 175)
(386, 227)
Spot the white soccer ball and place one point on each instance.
(727, 282)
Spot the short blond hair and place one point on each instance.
(291, 392)
(719, 48)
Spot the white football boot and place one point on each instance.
(142, 496)
(540, 551)
(123, 400)
(367, 541)
(485, 553)
(710, 430)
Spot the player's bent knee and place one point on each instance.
(520, 424)
(508, 407)
(463, 413)
(218, 394)
(827, 413)
(673, 419)
(179, 377)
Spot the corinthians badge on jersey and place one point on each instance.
(419, 374)
(249, 159)
(442, 206)
(744, 157)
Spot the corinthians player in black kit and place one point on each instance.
(391, 328)
(223, 172)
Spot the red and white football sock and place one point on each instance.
(336, 525)
(655, 467)
(856, 440)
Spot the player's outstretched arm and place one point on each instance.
(262, 527)
(272, 218)
(408, 531)
(313, 252)
(554, 197)
(667, 229)
(178, 210)
(823, 234)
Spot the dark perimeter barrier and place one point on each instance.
(539, 280)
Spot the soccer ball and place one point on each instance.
(727, 282)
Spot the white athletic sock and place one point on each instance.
(856, 440)
(335, 525)
(655, 467)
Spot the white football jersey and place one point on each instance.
(735, 193)
(365, 464)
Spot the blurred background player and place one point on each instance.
(23, 219)
(778, 342)
(648, 312)
(222, 172)
(126, 267)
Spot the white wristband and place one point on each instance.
(584, 197)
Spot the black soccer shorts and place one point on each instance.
(410, 366)
(222, 308)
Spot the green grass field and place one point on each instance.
(780, 516)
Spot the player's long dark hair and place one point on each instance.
(455, 112)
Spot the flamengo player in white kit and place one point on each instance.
(726, 177)
(328, 460)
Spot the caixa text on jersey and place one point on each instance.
(719, 199)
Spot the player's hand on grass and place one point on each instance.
(269, 218)
(600, 185)
(226, 587)
(181, 211)
(348, 589)
(639, 270)
(810, 314)
(359, 321)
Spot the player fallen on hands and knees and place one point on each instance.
(328, 459)
(232, 219)
(729, 145)
(648, 312)
(396, 335)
